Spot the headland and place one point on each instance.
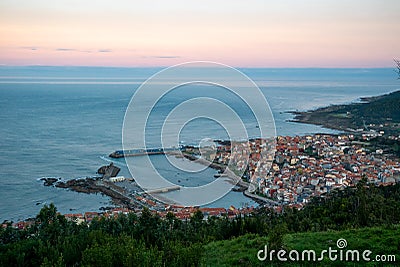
(372, 115)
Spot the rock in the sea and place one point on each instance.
(50, 181)
(109, 171)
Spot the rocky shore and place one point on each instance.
(93, 185)
(50, 181)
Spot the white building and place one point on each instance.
(117, 179)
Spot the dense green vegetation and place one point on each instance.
(148, 240)
(386, 107)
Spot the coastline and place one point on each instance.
(371, 114)
(94, 185)
(318, 152)
(118, 196)
(338, 117)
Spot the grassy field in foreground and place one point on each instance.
(242, 251)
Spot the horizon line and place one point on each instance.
(167, 66)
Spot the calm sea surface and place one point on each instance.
(64, 121)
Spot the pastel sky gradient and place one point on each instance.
(262, 33)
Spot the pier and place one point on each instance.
(162, 190)
(143, 152)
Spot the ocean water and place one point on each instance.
(64, 121)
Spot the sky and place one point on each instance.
(251, 33)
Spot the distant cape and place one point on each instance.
(378, 113)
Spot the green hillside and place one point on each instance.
(379, 109)
(242, 251)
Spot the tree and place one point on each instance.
(275, 236)
(50, 224)
(361, 195)
(47, 214)
(398, 66)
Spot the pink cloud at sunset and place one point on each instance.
(302, 33)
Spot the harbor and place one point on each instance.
(126, 193)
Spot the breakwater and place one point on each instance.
(143, 152)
